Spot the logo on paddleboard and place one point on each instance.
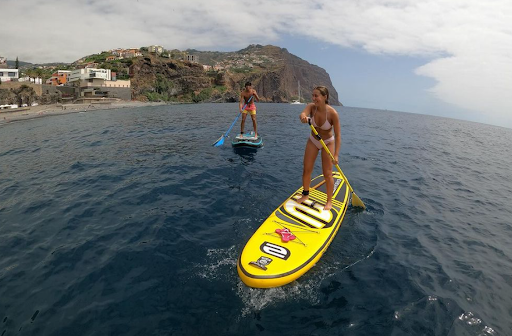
(275, 250)
(336, 184)
(262, 262)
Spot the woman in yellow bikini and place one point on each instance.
(325, 120)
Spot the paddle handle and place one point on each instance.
(248, 101)
(329, 152)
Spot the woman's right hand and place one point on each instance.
(303, 118)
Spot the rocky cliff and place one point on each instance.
(273, 71)
(157, 78)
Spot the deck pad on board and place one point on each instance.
(247, 139)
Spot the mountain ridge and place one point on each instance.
(273, 72)
(211, 76)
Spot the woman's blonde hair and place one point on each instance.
(323, 91)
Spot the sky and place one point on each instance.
(450, 58)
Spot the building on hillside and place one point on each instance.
(156, 49)
(92, 65)
(192, 58)
(99, 83)
(90, 74)
(125, 53)
(87, 65)
(36, 80)
(131, 54)
(116, 52)
(59, 78)
(105, 83)
(3, 63)
(118, 83)
(120, 89)
(8, 75)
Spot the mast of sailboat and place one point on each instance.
(299, 91)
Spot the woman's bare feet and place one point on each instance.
(303, 198)
(328, 205)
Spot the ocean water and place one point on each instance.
(128, 222)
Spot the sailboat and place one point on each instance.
(297, 102)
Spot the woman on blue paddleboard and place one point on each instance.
(250, 107)
(326, 121)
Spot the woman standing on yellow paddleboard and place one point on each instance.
(325, 120)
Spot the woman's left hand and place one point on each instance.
(335, 161)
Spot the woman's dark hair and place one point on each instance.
(247, 84)
(323, 91)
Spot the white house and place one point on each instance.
(7, 75)
(89, 73)
(37, 80)
(156, 49)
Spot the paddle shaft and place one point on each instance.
(220, 141)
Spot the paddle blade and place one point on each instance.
(356, 201)
(219, 142)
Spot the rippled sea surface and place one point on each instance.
(128, 222)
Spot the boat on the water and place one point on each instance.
(298, 101)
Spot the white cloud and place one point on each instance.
(468, 41)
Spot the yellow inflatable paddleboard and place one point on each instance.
(294, 237)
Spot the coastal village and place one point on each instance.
(100, 78)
